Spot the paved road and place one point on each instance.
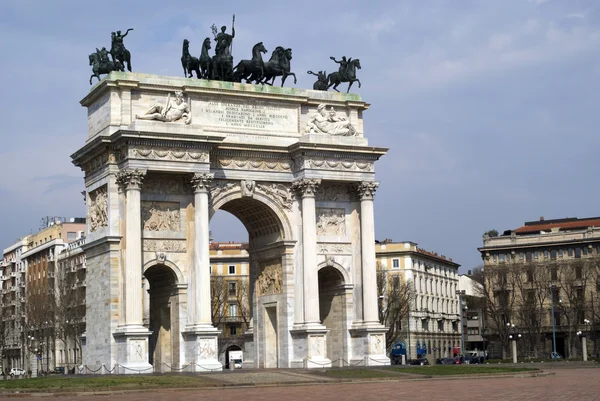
(567, 384)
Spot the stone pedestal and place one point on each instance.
(368, 346)
(201, 350)
(132, 352)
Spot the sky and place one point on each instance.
(489, 108)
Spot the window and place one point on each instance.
(232, 269)
(521, 256)
(536, 255)
(425, 324)
(578, 272)
(530, 297)
(528, 257)
(233, 311)
(560, 253)
(577, 253)
(570, 252)
(473, 331)
(501, 257)
(454, 326)
(554, 274)
(546, 254)
(580, 294)
(396, 282)
(232, 288)
(440, 325)
(585, 251)
(553, 254)
(395, 263)
(530, 275)
(71, 236)
(233, 330)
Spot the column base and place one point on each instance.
(368, 345)
(132, 350)
(249, 350)
(201, 349)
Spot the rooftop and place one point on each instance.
(542, 225)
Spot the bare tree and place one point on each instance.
(218, 293)
(498, 293)
(395, 296)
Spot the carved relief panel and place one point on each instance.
(161, 216)
(270, 278)
(331, 221)
(98, 208)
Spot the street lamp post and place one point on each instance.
(460, 294)
(554, 354)
(513, 336)
(583, 336)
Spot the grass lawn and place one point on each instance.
(447, 370)
(354, 373)
(105, 382)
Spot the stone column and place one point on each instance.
(306, 188)
(131, 181)
(199, 295)
(584, 348)
(366, 191)
(132, 337)
(514, 351)
(201, 338)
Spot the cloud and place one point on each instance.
(539, 2)
(383, 24)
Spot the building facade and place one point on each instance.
(12, 275)
(541, 282)
(432, 327)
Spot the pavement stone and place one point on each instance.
(564, 385)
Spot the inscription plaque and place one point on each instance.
(248, 115)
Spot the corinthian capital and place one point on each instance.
(201, 182)
(306, 186)
(366, 189)
(131, 179)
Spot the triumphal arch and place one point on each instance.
(294, 166)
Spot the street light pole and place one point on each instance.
(552, 287)
(460, 294)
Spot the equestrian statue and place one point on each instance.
(278, 66)
(102, 65)
(346, 73)
(118, 51)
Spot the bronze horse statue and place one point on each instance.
(248, 69)
(102, 68)
(188, 62)
(205, 61)
(278, 66)
(335, 78)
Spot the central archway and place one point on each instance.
(264, 276)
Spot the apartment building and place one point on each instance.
(542, 281)
(431, 328)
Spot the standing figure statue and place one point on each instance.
(223, 61)
(321, 83)
(346, 73)
(118, 50)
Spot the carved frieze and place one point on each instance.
(246, 163)
(270, 279)
(331, 221)
(98, 208)
(333, 193)
(207, 348)
(339, 164)
(327, 248)
(280, 193)
(164, 245)
(376, 343)
(166, 185)
(161, 216)
(160, 153)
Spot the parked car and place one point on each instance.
(17, 372)
(446, 361)
(555, 355)
(418, 361)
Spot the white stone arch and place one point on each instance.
(236, 193)
(338, 267)
(157, 262)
